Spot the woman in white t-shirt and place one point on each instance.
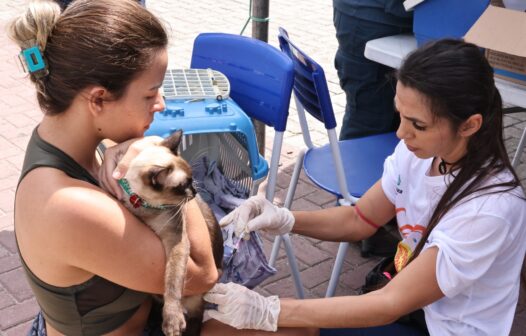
(459, 206)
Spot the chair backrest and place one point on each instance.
(312, 95)
(261, 79)
(260, 75)
(310, 84)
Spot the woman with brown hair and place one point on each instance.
(91, 264)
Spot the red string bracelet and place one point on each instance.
(365, 219)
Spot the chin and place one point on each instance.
(422, 156)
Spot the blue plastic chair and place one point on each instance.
(261, 79)
(346, 169)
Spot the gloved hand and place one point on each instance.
(257, 213)
(243, 308)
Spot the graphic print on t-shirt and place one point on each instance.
(411, 233)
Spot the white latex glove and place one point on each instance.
(117, 159)
(243, 308)
(257, 213)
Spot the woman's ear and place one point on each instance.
(96, 96)
(471, 125)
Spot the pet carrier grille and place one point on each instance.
(195, 84)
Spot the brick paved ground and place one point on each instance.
(310, 26)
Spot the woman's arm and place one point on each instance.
(201, 271)
(343, 223)
(95, 233)
(413, 288)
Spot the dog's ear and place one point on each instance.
(173, 141)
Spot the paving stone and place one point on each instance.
(318, 274)
(8, 170)
(355, 278)
(302, 189)
(17, 314)
(16, 284)
(268, 243)
(9, 183)
(5, 299)
(17, 161)
(20, 329)
(9, 263)
(6, 221)
(7, 200)
(284, 271)
(304, 204)
(321, 290)
(284, 288)
(307, 253)
(7, 240)
(3, 253)
(7, 149)
(321, 197)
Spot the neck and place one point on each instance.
(74, 135)
(442, 164)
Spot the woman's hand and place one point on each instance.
(117, 159)
(257, 213)
(243, 308)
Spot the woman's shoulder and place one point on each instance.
(507, 203)
(52, 203)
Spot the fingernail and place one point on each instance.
(116, 174)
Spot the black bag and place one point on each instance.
(378, 277)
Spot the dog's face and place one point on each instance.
(160, 176)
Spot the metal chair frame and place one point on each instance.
(312, 95)
(261, 79)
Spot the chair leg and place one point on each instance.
(520, 148)
(275, 250)
(293, 266)
(285, 238)
(336, 269)
(294, 269)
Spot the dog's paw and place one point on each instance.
(174, 322)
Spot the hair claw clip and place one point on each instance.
(33, 62)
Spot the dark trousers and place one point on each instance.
(367, 86)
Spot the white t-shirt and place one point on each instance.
(481, 242)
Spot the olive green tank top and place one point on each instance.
(96, 306)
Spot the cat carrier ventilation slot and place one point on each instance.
(195, 84)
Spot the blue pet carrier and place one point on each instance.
(214, 126)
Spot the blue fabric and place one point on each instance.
(395, 329)
(369, 92)
(390, 12)
(247, 265)
(38, 327)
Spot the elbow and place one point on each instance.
(200, 283)
(391, 309)
(210, 279)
